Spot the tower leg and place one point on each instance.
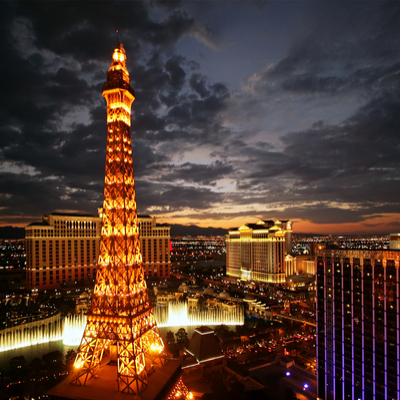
(89, 356)
(155, 349)
(132, 372)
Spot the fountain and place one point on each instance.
(73, 329)
(178, 314)
(70, 330)
(41, 331)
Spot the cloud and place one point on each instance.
(351, 51)
(311, 135)
(201, 33)
(196, 173)
(158, 197)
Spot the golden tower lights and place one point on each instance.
(120, 324)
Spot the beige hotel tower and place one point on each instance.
(65, 248)
(260, 252)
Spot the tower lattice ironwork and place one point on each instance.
(121, 327)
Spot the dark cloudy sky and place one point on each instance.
(243, 110)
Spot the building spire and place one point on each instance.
(118, 41)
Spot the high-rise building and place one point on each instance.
(121, 345)
(65, 248)
(358, 325)
(61, 248)
(260, 252)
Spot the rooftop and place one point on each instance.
(75, 215)
(104, 385)
(204, 346)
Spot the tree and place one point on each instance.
(17, 364)
(170, 338)
(262, 324)
(240, 330)
(36, 364)
(182, 338)
(222, 331)
(70, 358)
(171, 346)
(53, 361)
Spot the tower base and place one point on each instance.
(104, 386)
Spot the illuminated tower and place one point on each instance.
(121, 331)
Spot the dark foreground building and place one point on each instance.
(358, 324)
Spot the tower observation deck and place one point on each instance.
(121, 338)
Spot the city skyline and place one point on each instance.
(243, 111)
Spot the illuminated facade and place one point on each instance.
(62, 248)
(65, 248)
(358, 325)
(121, 331)
(305, 264)
(155, 245)
(394, 241)
(260, 252)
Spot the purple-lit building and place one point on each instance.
(358, 324)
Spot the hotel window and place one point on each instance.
(63, 261)
(44, 253)
(87, 252)
(94, 251)
(69, 253)
(57, 253)
(75, 252)
(82, 254)
(50, 253)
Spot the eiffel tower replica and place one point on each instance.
(121, 333)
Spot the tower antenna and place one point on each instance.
(118, 41)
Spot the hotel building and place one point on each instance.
(358, 326)
(61, 248)
(155, 241)
(260, 252)
(65, 248)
